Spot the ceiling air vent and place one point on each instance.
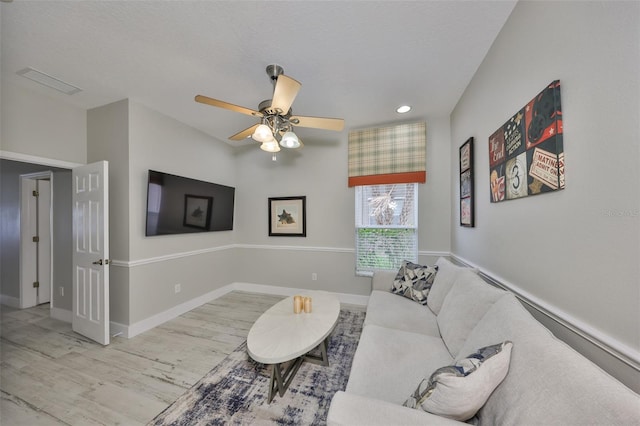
(47, 80)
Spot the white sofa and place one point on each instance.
(402, 342)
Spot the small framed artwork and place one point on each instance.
(466, 184)
(197, 211)
(288, 217)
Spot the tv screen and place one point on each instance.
(180, 205)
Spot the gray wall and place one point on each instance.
(34, 124)
(62, 239)
(134, 139)
(319, 172)
(161, 143)
(10, 172)
(61, 130)
(108, 139)
(575, 251)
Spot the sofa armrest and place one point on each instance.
(382, 280)
(351, 409)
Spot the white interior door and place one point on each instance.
(28, 248)
(35, 239)
(44, 244)
(90, 197)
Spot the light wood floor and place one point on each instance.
(50, 375)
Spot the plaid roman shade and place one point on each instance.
(387, 155)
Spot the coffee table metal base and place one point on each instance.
(281, 378)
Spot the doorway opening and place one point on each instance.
(36, 239)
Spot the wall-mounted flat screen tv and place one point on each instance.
(180, 205)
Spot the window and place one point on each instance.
(386, 226)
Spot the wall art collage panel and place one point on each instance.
(526, 155)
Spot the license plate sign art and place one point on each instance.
(526, 155)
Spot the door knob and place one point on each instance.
(98, 262)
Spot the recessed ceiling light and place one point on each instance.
(402, 109)
(47, 80)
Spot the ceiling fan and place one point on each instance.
(276, 124)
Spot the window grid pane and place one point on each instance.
(386, 226)
(384, 248)
(384, 205)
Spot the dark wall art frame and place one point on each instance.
(467, 195)
(288, 216)
(197, 211)
(526, 154)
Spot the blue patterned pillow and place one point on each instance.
(414, 281)
(458, 391)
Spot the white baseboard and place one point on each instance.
(352, 299)
(62, 314)
(171, 313)
(129, 331)
(11, 301)
(117, 329)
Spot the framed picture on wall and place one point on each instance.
(466, 184)
(197, 211)
(288, 217)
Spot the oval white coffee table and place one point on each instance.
(280, 336)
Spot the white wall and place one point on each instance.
(319, 172)
(574, 250)
(38, 125)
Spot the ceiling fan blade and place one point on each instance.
(244, 133)
(284, 93)
(226, 105)
(336, 124)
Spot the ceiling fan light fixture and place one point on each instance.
(262, 134)
(271, 146)
(275, 128)
(290, 140)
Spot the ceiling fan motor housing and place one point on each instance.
(276, 113)
(265, 108)
(273, 71)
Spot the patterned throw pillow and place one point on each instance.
(458, 391)
(414, 281)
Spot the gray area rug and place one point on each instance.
(236, 390)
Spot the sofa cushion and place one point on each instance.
(446, 276)
(469, 299)
(387, 362)
(350, 409)
(548, 382)
(382, 280)
(388, 310)
(414, 281)
(458, 391)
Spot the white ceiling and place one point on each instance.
(356, 60)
